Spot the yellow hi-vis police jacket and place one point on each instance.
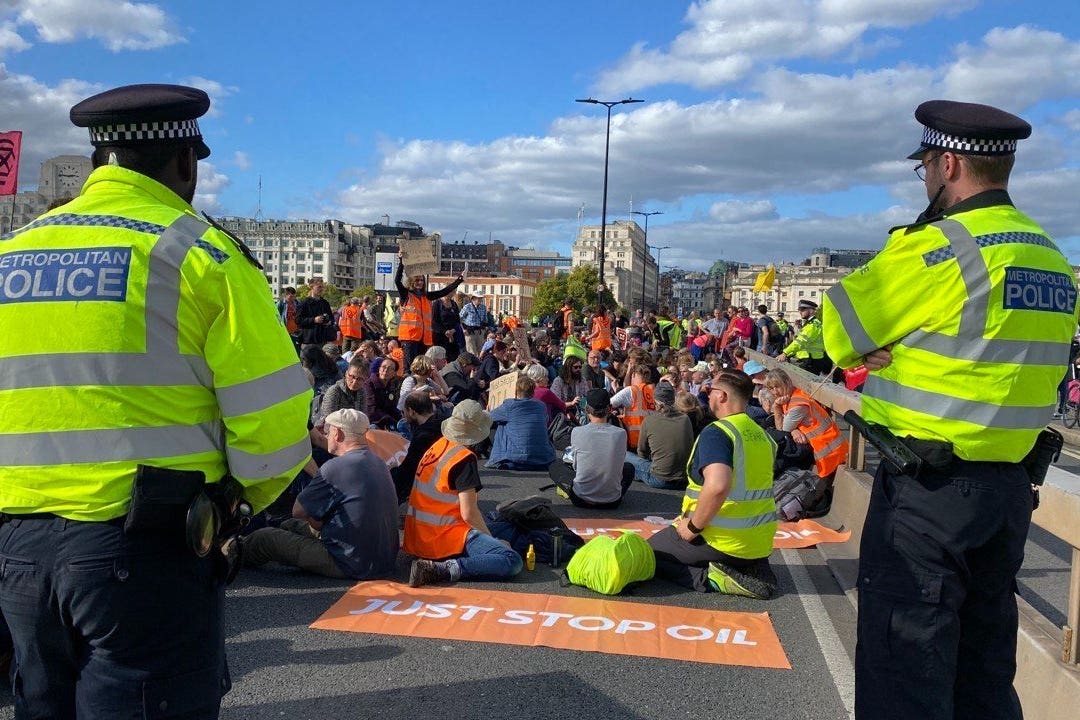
(980, 308)
(134, 333)
(809, 343)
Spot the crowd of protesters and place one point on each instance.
(599, 401)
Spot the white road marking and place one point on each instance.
(836, 658)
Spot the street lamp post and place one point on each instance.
(646, 216)
(658, 249)
(607, 145)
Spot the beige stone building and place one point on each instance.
(60, 177)
(503, 295)
(807, 281)
(627, 262)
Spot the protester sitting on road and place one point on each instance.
(424, 430)
(664, 445)
(348, 392)
(808, 422)
(570, 383)
(724, 536)
(381, 394)
(539, 375)
(700, 417)
(521, 439)
(344, 521)
(423, 377)
(598, 475)
(324, 370)
(458, 376)
(444, 527)
(492, 364)
(592, 372)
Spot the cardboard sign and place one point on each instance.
(417, 257)
(521, 342)
(801, 534)
(589, 624)
(501, 388)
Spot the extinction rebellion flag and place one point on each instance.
(10, 142)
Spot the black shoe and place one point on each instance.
(426, 572)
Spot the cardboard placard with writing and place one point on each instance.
(501, 388)
(569, 623)
(417, 257)
(521, 342)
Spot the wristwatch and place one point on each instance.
(692, 528)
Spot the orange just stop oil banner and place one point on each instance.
(590, 624)
(801, 534)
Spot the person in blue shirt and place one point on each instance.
(344, 522)
(521, 438)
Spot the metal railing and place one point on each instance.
(1058, 512)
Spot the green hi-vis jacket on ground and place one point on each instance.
(979, 308)
(134, 333)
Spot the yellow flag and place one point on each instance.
(765, 280)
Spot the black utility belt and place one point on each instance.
(181, 502)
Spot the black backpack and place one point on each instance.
(801, 494)
(558, 325)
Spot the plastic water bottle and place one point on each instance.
(530, 558)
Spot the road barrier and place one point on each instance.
(1047, 673)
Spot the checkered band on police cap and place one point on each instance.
(164, 130)
(968, 146)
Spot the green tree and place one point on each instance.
(581, 285)
(330, 293)
(363, 290)
(549, 296)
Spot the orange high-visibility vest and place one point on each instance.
(829, 444)
(602, 330)
(416, 320)
(349, 322)
(635, 414)
(568, 324)
(434, 526)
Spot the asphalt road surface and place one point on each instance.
(282, 668)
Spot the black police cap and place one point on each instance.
(968, 129)
(140, 115)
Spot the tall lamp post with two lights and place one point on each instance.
(658, 249)
(607, 145)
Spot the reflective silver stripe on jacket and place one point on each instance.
(260, 393)
(969, 343)
(429, 488)
(730, 523)
(74, 447)
(430, 518)
(246, 465)
(952, 408)
(861, 341)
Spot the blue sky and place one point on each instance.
(770, 126)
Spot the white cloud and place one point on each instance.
(10, 40)
(216, 90)
(734, 211)
(241, 160)
(728, 38)
(41, 112)
(117, 24)
(211, 184)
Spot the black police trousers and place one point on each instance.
(109, 626)
(937, 581)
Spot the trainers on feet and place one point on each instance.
(425, 572)
(730, 581)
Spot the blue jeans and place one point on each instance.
(485, 558)
(643, 472)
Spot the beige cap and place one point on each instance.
(353, 422)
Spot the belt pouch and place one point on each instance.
(160, 498)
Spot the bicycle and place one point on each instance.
(1071, 417)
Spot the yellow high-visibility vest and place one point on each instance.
(745, 525)
(809, 343)
(135, 333)
(980, 308)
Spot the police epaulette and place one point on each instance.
(243, 248)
